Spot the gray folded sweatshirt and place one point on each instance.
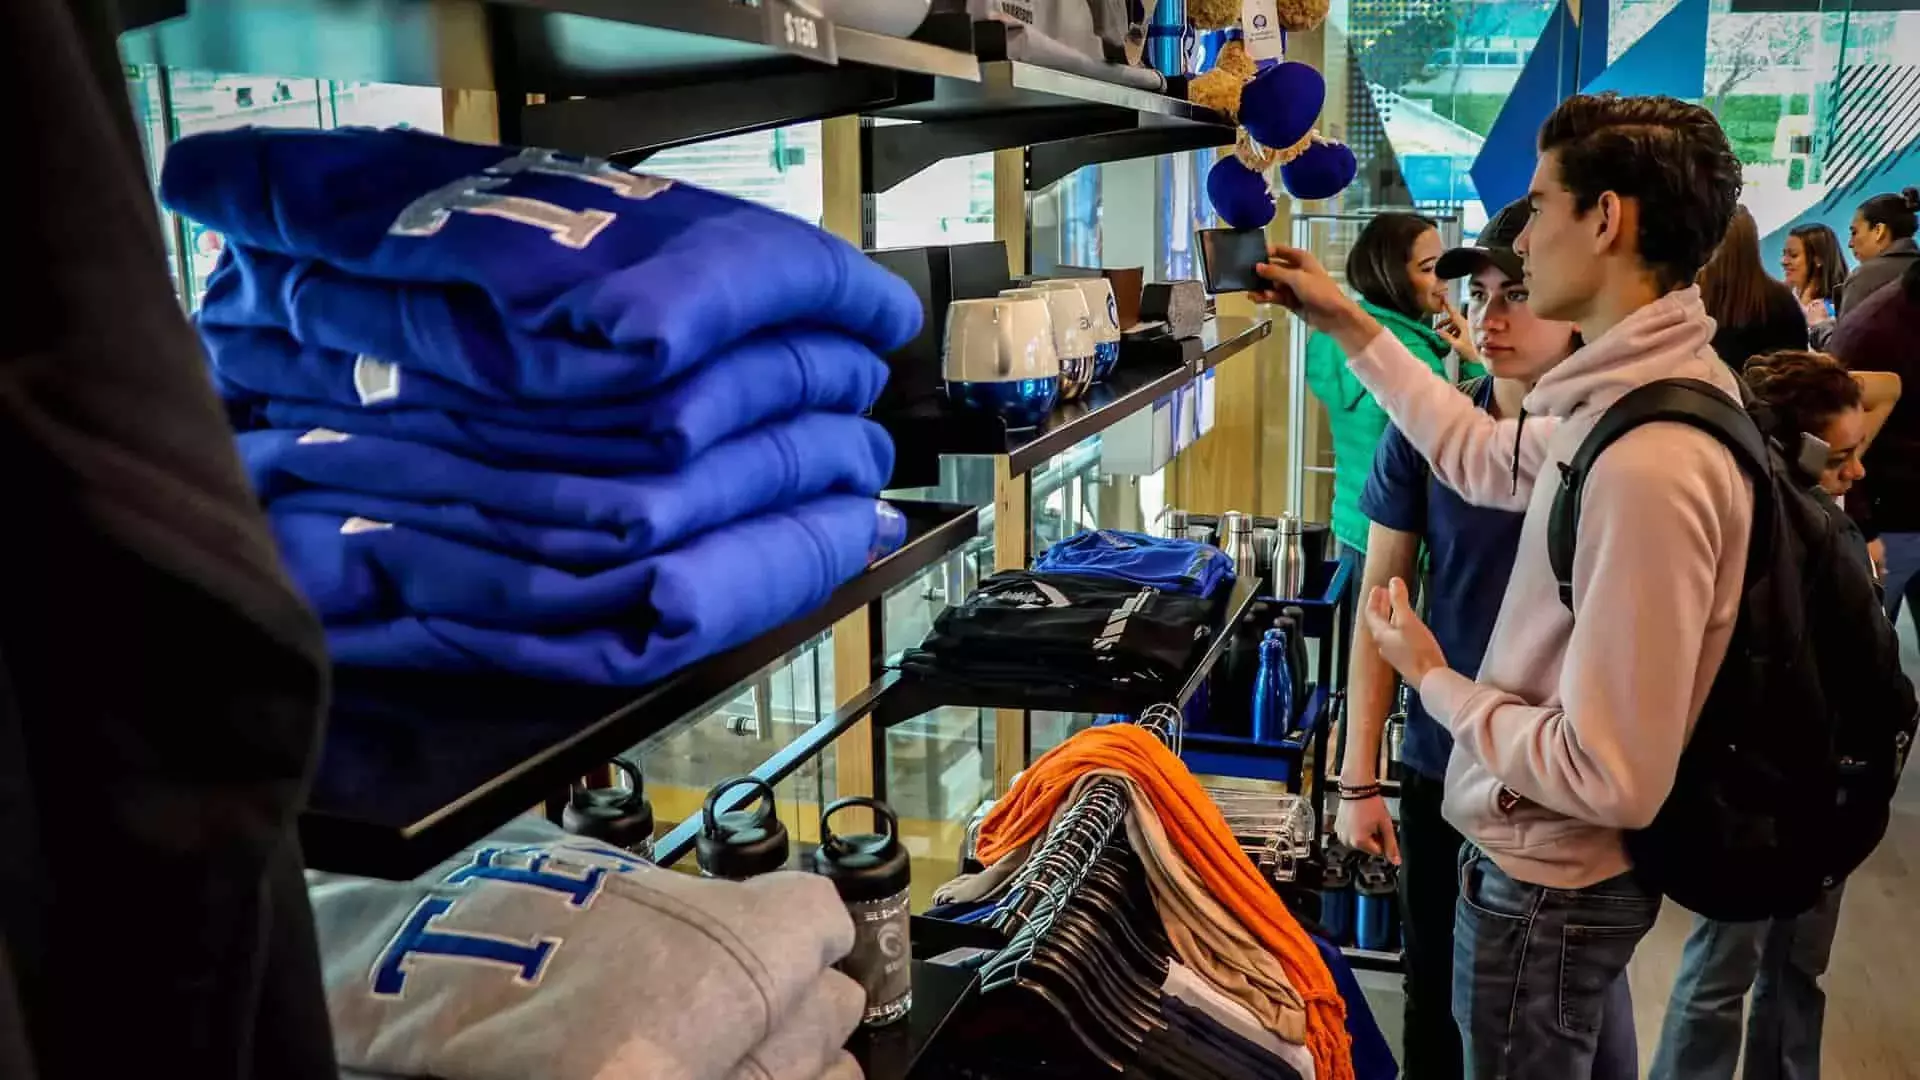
(540, 954)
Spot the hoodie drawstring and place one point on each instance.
(1517, 429)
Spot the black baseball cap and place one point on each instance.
(1494, 246)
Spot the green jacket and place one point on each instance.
(1358, 423)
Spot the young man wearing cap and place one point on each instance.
(1469, 555)
(1573, 730)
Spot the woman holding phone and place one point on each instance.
(1392, 267)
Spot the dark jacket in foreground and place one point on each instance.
(1877, 273)
(161, 684)
(1883, 334)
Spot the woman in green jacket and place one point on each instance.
(1392, 268)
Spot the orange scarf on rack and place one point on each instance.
(1202, 837)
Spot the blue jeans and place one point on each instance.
(1782, 961)
(1903, 570)
(1539, 974)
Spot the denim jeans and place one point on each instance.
(1782, 961)
(1539, 974)
(1903, 570)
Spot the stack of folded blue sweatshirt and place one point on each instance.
(511, 410)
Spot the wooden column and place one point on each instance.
(844, 213)
(1012, 547)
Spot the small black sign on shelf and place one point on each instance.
(795, 28)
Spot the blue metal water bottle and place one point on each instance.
(1168, 38)
(1270, 717)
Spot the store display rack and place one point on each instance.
(417, 766)
(897, 698)
(1066, 120)
(624, 79)
(1151, 367)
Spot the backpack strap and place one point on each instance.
(1683, 401)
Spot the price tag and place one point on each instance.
(793, 27)
(1260, 22)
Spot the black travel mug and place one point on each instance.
(621, 817)
(741, 843)
(871, 872)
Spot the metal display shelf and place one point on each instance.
(1068, 120)
(417, 766)
(622, 78)
(914, 696)
(1150, 369)
(1210, 754)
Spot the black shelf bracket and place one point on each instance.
(630, 126)
(895, 153)
(1053, 161)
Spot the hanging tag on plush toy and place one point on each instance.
(1260, 21)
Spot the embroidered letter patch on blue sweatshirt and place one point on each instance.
(511, 265)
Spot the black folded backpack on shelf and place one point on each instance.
(1783, 789)
(1037, 630)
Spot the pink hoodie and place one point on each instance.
(1573, 730)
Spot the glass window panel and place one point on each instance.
(950, 203)
(759, 719)
(779, 168)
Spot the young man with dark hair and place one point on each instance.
(1573, 730)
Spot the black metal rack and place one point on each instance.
(896, 699)
(1150, 369)
(417, 766)
(624, 79)
(1067, 120)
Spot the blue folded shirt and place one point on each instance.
(755, 381)
(775, 466)
(431, 253)
(1174, 565)
(397, 598)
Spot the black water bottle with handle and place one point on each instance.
(871, 872)
(618, 816)
(741, 843)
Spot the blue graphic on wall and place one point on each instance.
(1835, 211)
(1505, 164)
(1437, 178)
(1669, 59)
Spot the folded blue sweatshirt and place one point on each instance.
(1174, 565)
(761, 379)
(396, 598)
(555, 247)
(773, 467)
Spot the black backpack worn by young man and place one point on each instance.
(1784, 786)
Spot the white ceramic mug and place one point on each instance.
(1000, 339)
(1072, 335)
(1000, 358)
(1105, 311)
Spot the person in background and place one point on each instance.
(1470, 552)
(1882, 239)
(1780, 960)
(1816, 271)
(1883, 334)
(1573, 731)
(1755, 313)
(1391, 266)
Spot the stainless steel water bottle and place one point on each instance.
(618, 816)
(871, 872)
(741, 843)
(1289, 559)
(1236, 539)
